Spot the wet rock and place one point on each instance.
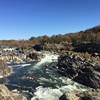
(81, 95)
(33, 56)
(86, 98)
(69, 96)
(38, 47)
(79, 70)
(89, 77)
(63, 97)
(90, 95)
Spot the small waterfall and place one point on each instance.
(48, 58)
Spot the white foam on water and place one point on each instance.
(54, 94)
(48, 58)
(47, 94)
(19, 65)
(24, 65)
(1, 76)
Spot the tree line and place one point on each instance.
(88, 36)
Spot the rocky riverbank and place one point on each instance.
(17, 56)
(81, 70)
(5, 94)
(4, 69)
(76, 95)
(54, 77)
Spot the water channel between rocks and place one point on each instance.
(41, 80)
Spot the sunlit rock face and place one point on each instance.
(4, 69)
(5, 94)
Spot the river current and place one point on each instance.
(41, 79)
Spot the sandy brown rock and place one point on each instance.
(5, 94)
(86, 95)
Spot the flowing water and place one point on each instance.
(41, 79)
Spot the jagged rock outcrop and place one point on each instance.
(79, 70)
(5, 94)
(87, 95)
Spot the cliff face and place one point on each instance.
(5, 94)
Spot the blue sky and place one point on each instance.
(21, 19)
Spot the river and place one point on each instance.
(41, 79)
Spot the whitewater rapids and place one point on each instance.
(44, 79)
(49, 93)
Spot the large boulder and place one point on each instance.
(79, 70)
(38, 47)
(33, 56)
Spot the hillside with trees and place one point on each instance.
(66, 41)
(91, 35)
(88, 40)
